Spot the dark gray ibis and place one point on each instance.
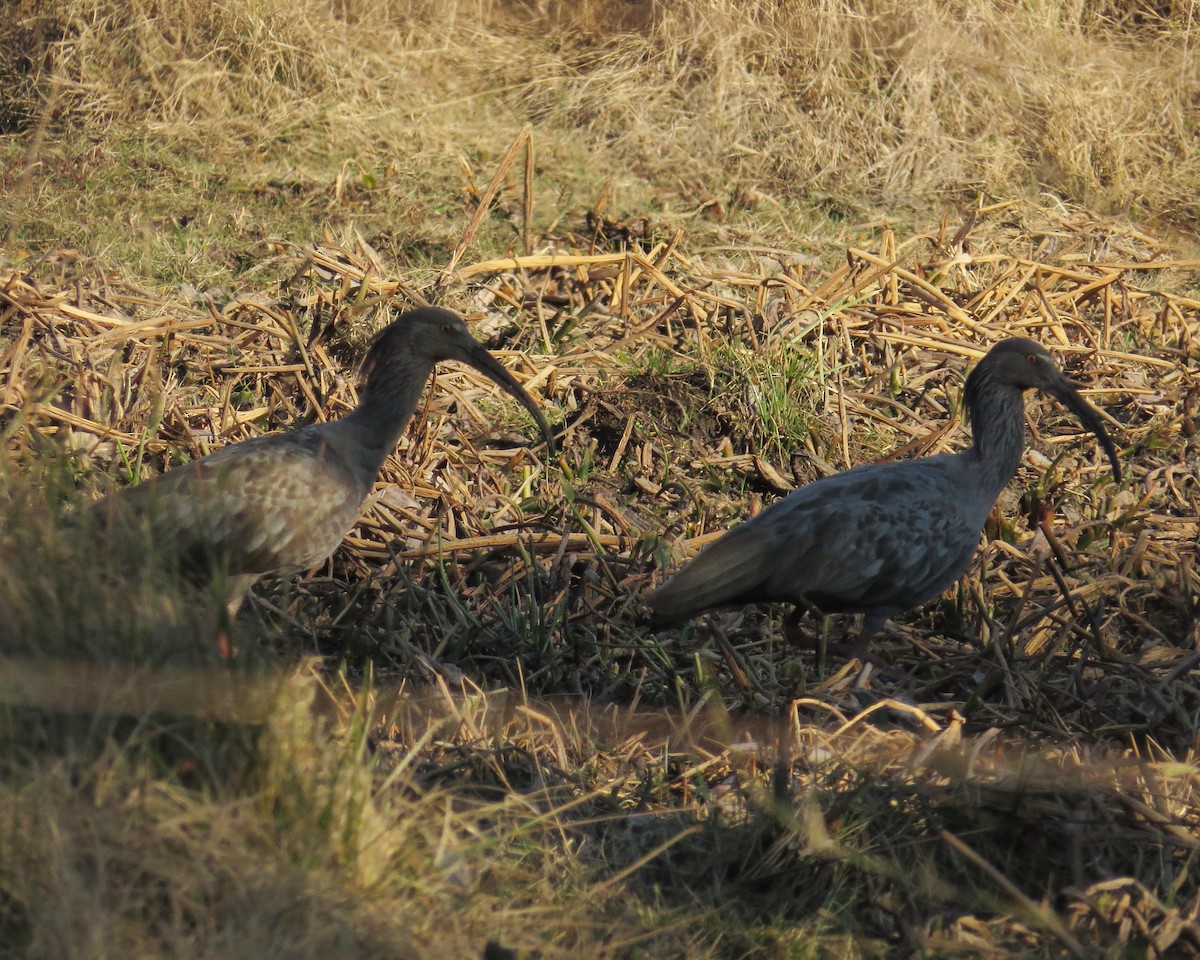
(282, 503)
(882, 538)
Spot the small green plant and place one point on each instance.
(772, 393)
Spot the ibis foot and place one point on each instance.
(226, 651)
(858, 648)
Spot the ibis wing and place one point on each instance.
(876, 539)
(880, 561)
(731, 570)
(266, 506)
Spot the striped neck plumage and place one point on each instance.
(997, 411)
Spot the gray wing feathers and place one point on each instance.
(874, 539)
(732, 567)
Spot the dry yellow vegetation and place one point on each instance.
(731, 247)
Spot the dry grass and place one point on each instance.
(1056, 686)
(743, 117)
(301, 850)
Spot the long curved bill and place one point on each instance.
(1070, 398)
(477, 356)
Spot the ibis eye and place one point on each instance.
(1031, 357)
(446, 328)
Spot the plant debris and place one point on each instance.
(1055, 689)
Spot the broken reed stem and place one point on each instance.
(525, 137)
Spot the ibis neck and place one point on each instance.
(998, 428)
(387, 404)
